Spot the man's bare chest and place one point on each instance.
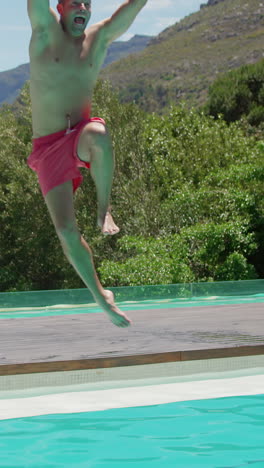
(65, 69)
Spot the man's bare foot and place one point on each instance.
(117, 317)
(106, 223)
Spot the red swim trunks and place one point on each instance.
(54, 157)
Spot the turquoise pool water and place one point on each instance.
(216, 433)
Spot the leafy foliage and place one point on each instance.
(239, 93)
(187, 194)
(204, 252)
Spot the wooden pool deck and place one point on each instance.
(71, 342)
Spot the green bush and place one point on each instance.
(235, 267)
(148, 261)
(239, 93)
(205, 252)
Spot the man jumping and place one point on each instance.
(65, 60)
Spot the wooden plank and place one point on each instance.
(240, 351)
(124, 361)
(86, 364)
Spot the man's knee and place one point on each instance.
(94, 141)
(94, 130)
(96, 135)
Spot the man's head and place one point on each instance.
(74, 15)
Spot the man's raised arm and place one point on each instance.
(122, 19)
(40, 14)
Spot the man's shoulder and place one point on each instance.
(95, 32)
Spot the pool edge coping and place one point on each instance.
(129, 360)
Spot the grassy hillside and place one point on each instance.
(182, 62)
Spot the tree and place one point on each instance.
(239, 93)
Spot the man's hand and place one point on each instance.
(122, 19)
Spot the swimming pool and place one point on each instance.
(205, 414)
(73, 397)
(220, 433)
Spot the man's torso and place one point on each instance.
(63, 75)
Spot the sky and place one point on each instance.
(15, 28)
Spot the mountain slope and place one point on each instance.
(182, 62)
(120, 49)
(11, 81)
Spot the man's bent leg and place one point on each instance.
(60, 205)
(95, 147)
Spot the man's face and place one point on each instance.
(75, 16)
